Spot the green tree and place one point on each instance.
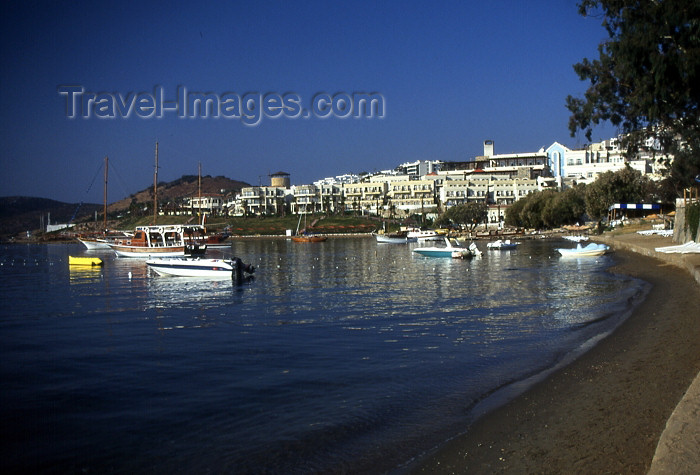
(623, 186)
(646, 80)
(566, 207)
(514, 213)
(468, 214)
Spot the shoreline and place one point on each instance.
(606, 411)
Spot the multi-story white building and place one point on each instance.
(584, 165)
(264, 200)
(406, 196)
(365, 197)
(209, 203)
(307, 199)
(419, 168)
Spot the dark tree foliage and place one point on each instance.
(547, 209)
(468, 214)
(646, 80)
(623, 186)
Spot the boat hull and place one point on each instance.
(309, 238)
(144, 252)
(94, 244)
(84, 261)
(388, 239)
(592, 250)
(192, 267)
(437, 252)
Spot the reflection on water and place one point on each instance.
(340, 356)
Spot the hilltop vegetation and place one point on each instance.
(21, 213)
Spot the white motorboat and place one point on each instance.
(92, 244)
(394, 238)
(591, 250)
(577, 238)
(452, 248)
(424, 234)
(196, 267)
(500, 244)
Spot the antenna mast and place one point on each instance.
(199, 187)
(104, 219)
(155, 189)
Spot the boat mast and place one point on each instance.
(199, 187)
(104, 219)
(155, 189)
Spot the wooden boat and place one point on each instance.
(197, 267)
(161, 241)
(591, 250)
(84, 261)
(309, 238)
(306, 236)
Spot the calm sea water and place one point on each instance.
(340, 356)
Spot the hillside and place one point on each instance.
(183, 187)
(22, 213)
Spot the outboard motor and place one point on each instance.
(237, 271)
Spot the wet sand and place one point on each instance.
(605, 412)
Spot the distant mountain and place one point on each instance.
(184, 187)
(22, 213)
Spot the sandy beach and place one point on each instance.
(605, 412)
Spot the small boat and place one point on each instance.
(577, 238)
(424, 234)
(84, 261)
(197, 267)
(400, 237)
(309, 238)
(452, 248)
(500, 244)
(217, 241)
(92, 244)
(591, 250)
(304, 235)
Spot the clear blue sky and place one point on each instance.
(452, 74)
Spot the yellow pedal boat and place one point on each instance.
(84, 261)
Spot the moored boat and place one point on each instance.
(160, 241)
(92, 244)
(591, 250)
(452, 248)
(309, 238)
(84, 261)
(197, 267)
(424, 234)
(400, 237)
(501, 244)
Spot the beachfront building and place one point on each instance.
(584, 165)
(331, 196)
(365, 198)
(210, 203)
(307, 199)
(406, 196)
(497, 180)
(264, 200)
(419, 168)
(234, 206)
